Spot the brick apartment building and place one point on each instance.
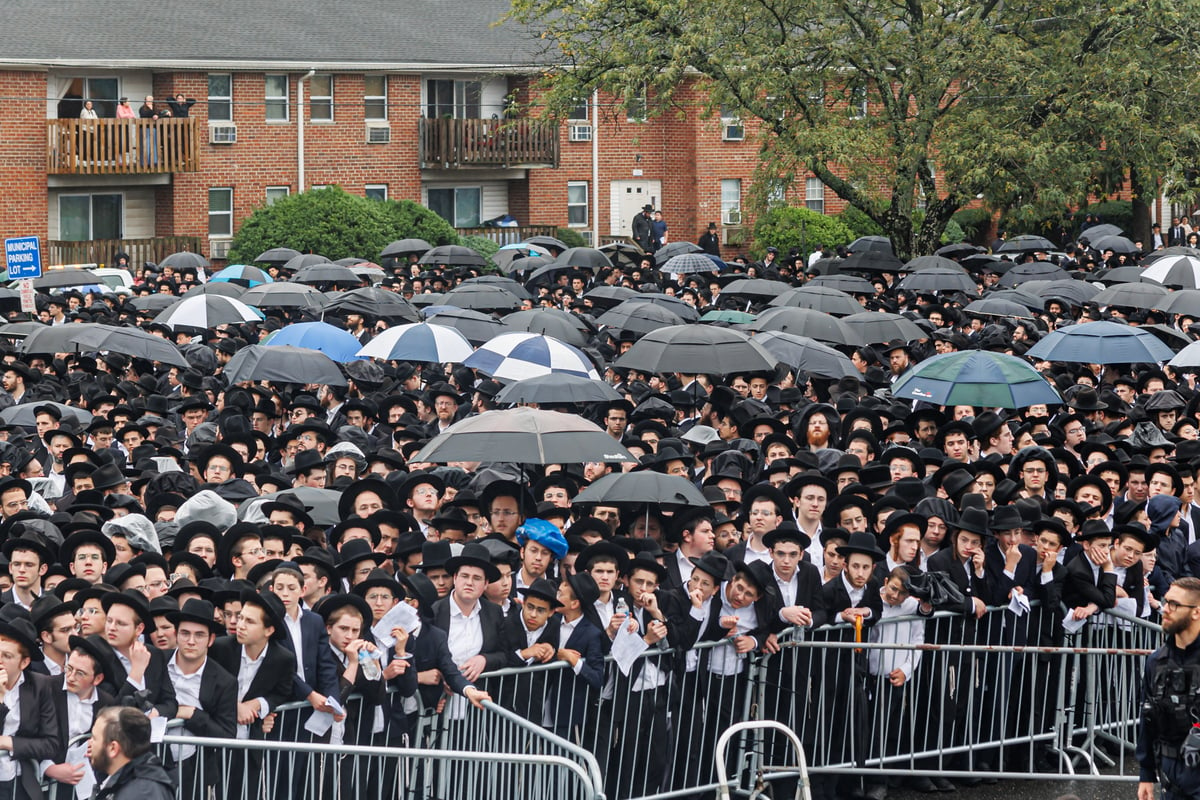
(386, 98)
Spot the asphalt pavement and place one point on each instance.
(1033, 790)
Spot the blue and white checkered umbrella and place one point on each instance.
(434, 344)
(242, 275)
(517, 356)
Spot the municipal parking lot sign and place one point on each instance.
(24, 257)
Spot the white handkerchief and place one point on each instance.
(158, 729)
(78, 755)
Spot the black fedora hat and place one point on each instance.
(387, 495)
(272, 608)
(332, 602)
(199, 611)
(715, 564)
(379, 579)
(864, 543)
(132, 599)
(86, 536)
(647, 562)
(353, 552)
(787, 531)
(974, 520)
(542, 588)
(761, 575)
(291, 503)
(100, 651)
(474, 555)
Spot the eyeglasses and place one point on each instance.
(1171, 605)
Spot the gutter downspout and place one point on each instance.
(595, 168)
(300, 129)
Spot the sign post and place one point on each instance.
(23, 256)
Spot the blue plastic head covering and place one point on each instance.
(545, 534)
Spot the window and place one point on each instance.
(731, 201)
(320, 99)
(580, 112)
(776, 193)
(461, 207)
(220, 98)
(376, 191)
(636, 106)
(375, 97)
(83, 217)
(220, 212)
(449, 99)
(277, 98)
(858, 102)
(277, 193)
(577, 203)
(814, 195)
(317, 186)
(731, 125)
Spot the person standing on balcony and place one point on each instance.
(88, 111)
(124, 111)
(180, 106)
(150, 135)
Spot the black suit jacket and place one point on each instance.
(39, 736)
(273, 682)
(430, 650)
(1081, 587)
(491, 620)
(103, 700)
(808, 594)
(160, 692)
(967, 581)
(835, 599)
(216, 716)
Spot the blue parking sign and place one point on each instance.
(24, 257)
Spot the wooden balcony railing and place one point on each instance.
(513, 235)
(455, 143)
(101, 251)
(121, 146)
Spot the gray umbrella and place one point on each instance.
(507, 284)
(402, 247)
(1132, 295)
(825, 299)
(851, 284)
(525, 436)
(877, 327)
(604, 297)
(669, 251)
(806, 322)
(1070, 290)
(808, 355)
(527, 265)
(674, 304)
(688, 264)
(477, 327)
(998, 307)
(549, 242)
(24, 416)
(1026, 244)
(1100, 231)
(453, 255)
(755, 288)
(1184, 301)
(1118, 244)
(939, 279)
(283, 295)
(584, 258)
(185, 260)
(222, 288)
(481, 297)
(276, 255)
(929, 262)
(372, 301)
(562, 325)
(62, 278)
(133, 342)
(1119, 275)
(866, 244)
(283, 364)
(57, 339)
(305, 260)
(322, 505)
(642, 488)
(694, 349)
(557, 388)
(316, 274)
(154, 303)
(639, 316)
(1033, 271)
(19, 330)
(625, 254)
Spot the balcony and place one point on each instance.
(101, 251)
(121, 146)
(488, 143)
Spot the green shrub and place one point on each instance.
(974, 223)
(859, 223)
(570, 237)
(484, 246)
(411, 220)
(953, 234)
(801, 228)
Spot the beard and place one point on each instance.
(1175, 626)
(819, 438)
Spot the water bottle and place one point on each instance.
(622, 606)
(368, 661)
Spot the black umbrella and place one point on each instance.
(481, 297)
(527, 265)
(330, 273)
(808, 323)
(547, 274)
(403, 247)
(642, 488)
(1019, 296)
(1033, 271)
(639, 317)
(878, 327)
(930, 262)
(603, 297)
(1100, 231)
(825, 266)
(62, 278)
(282, 363)
(555, 246)
(977, 262)
(453, 255)
(625, 254)
(584, 258)
(1026, 244)
(524, 436)
(1118, 244)
(19, 330)
(807, 354)
(959, 250)
(276, 255)
(688, 264)
(850, 284)
(1072, 291)
(305, 260)
(1168, 336)
(372, 301)
(669, 251)
(1184, 301)
(681, 309)
(475, 326)
(819, 298)
(562, 325)
(997, 307)
(755, 289)
(56, 339)
(1119, 275)
(557, 388)
(507, 284)
(155, 302)
(283, 295)
(128, 341)
(1167, 252)
(1132, 295)
(939, 279)
(224, 289)
(871, 244)
(694, 349)
(185, 260)
(872, 261)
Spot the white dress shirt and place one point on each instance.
(10, 769)
(187, 692)
(247, 670)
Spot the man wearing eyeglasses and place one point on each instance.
(1167, 740)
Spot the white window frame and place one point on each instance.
(814, 195)
(583, 107)
(220, 99)
(642, 99)
(375, 99)
(456, 189)
(216, 214)
(285, 98)
(377, 188)
(577, 185)
(320, 103)
(91, 212)
(726, 205)
(276, 193)
(729, 119)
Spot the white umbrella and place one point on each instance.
(204, 311)
(435, 344)
(516, 356)
(1179, 272)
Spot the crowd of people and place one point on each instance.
(145, 569)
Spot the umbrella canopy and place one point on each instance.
(1118, 244)
(372, 301)
(329, 273)
(755, 288)
(507, 284)
(557, 388)
(975, 378)
(1168, 252)
(872, 261)
(997, 307)
(453, 255)
(23, 414)
(674, 304)
(506, 257)
(694, 349)
(283, 295)
(1020, 296)
(516, 356)
(871, 244)
(19, 330)
(850, 284)
(807, 354)
(688, 264)
(547, 273)
(337, 343)
(62, 278)
(242, 274)
(808, 323)
(481, 297)
(819, 298)
(1100, 231)
(584, 258)
(549, 242)
(1026, 244)
(56, 339)
(1187, 358)
(1072, 291)
(979, 261)
(475, 326)
(1131, 295)
(524, 436)
(207, 311)
(1169, 336)
(562, 325)
(367, 272)
(672, 249)
(1033, 271)
(276, 255)
(433, 344)
(939, 279)
(639, 316)
(625, 254)
(877, 327)
(604, 297)
(283, 364)
(1101, 343)
(731, 316)
(223, 289)
(404, 247)
(958, 250)
(1178, 272)
(642, 488)
(128, 341)
(322, 504)
(1185, 301)
(153, 302)
(297, 263)
(185, 260)
(1119, 275)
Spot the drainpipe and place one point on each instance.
(300, 128)
(595, 168)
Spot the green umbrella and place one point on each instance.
(728, 315)
(975, 378)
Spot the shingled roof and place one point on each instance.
(183, 34)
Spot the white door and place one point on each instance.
(627, 199)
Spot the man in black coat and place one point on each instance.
(76, 704)
(120, 749)
(140, 670)
(34, 735)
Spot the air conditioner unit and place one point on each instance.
(219, 248)
(731, 216)
(732, 131)
(580, 133)
(222, 134)
(379, 134)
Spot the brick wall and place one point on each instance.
(23, 201)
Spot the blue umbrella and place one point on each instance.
(1102, 343)
(976, 378)
(242, 275)
(336, 343)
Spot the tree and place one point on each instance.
(895, 105)
(801, 228)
